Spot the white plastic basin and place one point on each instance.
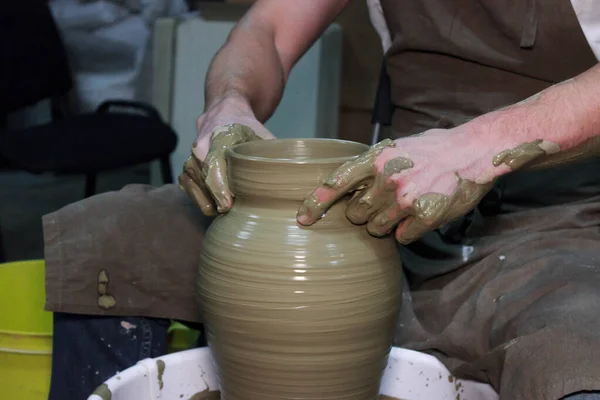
(409, 376)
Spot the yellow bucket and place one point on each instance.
(181, 337)
(25, 332)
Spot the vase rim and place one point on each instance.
(243, 151)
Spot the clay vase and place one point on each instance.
(295, 312)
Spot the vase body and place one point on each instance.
(295, 312)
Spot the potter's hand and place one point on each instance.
(420, 183)
(204, 175)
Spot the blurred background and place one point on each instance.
(97, 94)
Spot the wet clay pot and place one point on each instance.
(296, 312)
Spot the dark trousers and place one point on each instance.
(87, 350)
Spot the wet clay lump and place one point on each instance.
(296, 312)
(206, 395)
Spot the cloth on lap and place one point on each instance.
(147, 241)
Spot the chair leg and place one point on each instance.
(90, 185)
(166, 171)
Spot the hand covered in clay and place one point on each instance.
(415, 184)
(204, 175)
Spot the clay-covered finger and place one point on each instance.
(411, 229)
(215, 178)
(364, 204)
(384, 221)
(315, 205)
(193, 168)
(342, 181)
(214, 170)
(191, 181)
(198, 194)
(428, 212)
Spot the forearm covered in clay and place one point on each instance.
(559, 125)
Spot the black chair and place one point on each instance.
(119, 134)
(383, 109)
(34, 67)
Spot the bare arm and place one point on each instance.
(252, 67)
(244, 86)
(559, 125)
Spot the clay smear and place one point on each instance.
(544, 154)
(105, 300)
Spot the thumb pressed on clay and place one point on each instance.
(191, 181)
(214, 169)
(205, 181)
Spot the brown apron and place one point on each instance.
(506, 295)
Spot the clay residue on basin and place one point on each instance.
(103, 391)
(160, 364)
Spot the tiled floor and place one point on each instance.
(24, 198)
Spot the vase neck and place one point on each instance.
(285, 182)
(285, 170)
